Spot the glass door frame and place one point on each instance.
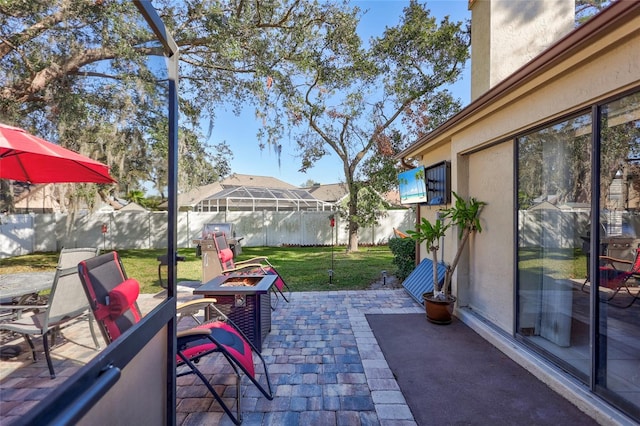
(597, 372)
(79, 393)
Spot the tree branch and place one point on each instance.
(6, 46)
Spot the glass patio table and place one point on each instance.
(17, 290)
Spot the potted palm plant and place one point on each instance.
(465, 215)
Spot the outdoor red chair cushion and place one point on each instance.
(225, 255)
(123, 297)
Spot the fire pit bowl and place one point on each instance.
(241, 281)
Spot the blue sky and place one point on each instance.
(240, 131)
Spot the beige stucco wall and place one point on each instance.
(484, 277)
(488, 287)
(481, 151)
(506, 34)
(568, 87)
(601, 71)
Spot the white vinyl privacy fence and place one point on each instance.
(28, 233)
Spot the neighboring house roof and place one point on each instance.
(393, 198)
(193, 197)
(133, 207)
(196, 195)
(331, 193)
(575, 206)
(255, 181)
(552, 198)
(544, 205)
(50, 198)
(336, 192)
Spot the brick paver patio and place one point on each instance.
(324, 362)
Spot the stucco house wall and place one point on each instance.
(480, 148)
(490, 289)
(500, 35)
(594, 63)
(608, 68)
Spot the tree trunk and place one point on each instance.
(451, 268)
(434, 255)
(353, 241)
(6, 196)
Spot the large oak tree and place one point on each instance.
(361, 101)
(81, 73)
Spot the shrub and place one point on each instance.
(404, 256)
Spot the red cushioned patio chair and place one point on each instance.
(616, 279)
(255, 265)
(112, 298)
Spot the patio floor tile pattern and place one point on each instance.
(325, 366)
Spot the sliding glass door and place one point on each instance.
(554, 175)
(618, 351)
(577, 233)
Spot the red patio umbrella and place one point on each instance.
(27, 158)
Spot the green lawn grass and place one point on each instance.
(303, 268)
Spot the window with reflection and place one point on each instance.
(619, 309)
(555, 248)
(554, 195)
